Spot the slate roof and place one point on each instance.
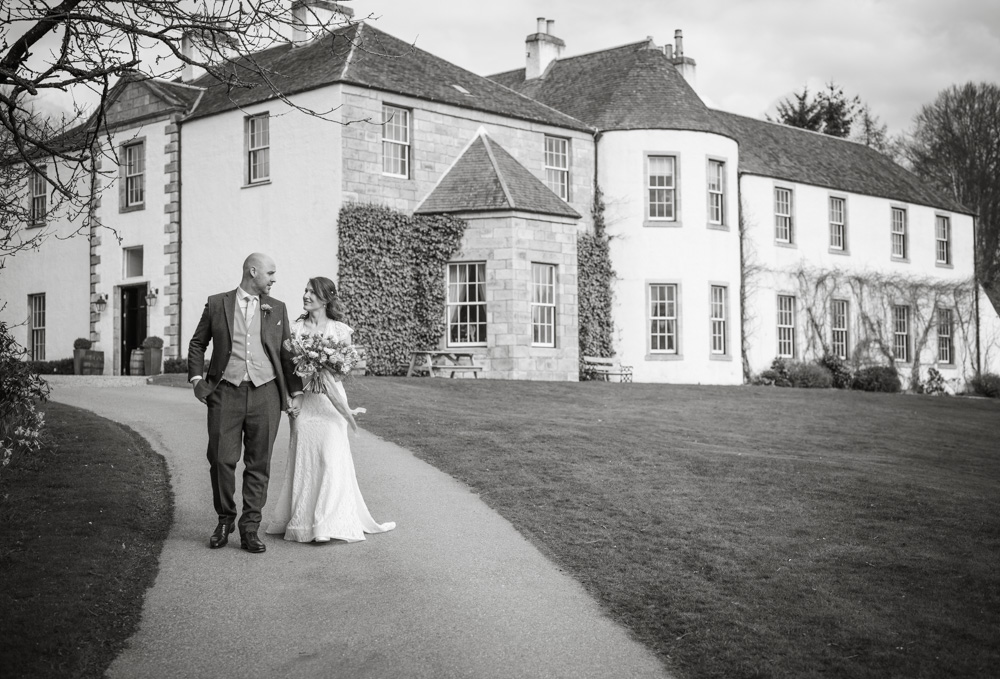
(783, 152)
(362, 55)
(632, 87)
(487, 178)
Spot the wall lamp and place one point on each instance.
(151, 296)
(101, 304)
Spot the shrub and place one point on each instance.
(777, 374)
(82, 343)
(883, 378)
(152, 342)
(986, 384)
(60, 366)
(175, 365)
(809, 376)
(934, 383)
(840, 371)
(20, 389)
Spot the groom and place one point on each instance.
(249, 382)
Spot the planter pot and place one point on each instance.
(88, 362)
(152, 361)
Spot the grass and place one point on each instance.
(82, 524)
(740, 531)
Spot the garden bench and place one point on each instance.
(606, 367)
(435, 363)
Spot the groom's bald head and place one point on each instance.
(258, 274)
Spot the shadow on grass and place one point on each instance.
(82, 524)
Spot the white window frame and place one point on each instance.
(543, 304)
(942, 240)
(557, 165)
(258, 149)
(716, 192)
(838, 223)
(901, 333)
(38, 207)
(134, 170)
(786, 326)
(945, 332)
(661, 190)
(663, 318)
(396, 141)
(36, 326)
(466, 317)
(719, 319)
(840, 328)
(900, 239)
(784, 215)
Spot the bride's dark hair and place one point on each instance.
(325, 289)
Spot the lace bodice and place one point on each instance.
(341, 332)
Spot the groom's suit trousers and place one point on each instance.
(244, 418)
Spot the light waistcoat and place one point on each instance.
(248, 361)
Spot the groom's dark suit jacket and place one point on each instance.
(216, 326)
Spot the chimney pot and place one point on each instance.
(668, 49)
(679, 42)
(548, 26)
(541, 25)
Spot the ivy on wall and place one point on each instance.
(873, 295)
(594, 287)
(392, 280)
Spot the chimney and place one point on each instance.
(312, 19)
(192, 48)
(543, 48)
(684, 65)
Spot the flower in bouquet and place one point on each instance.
(316, 353)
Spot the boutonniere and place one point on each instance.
(266, 308)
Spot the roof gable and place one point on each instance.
(486, 178)
(362, 55)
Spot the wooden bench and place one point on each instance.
(606, 367)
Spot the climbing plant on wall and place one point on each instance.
(594, 286)
(873, 295)
(392, 280)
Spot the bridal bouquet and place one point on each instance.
(320, 360)
(314, 354)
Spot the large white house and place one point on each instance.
(734, 240)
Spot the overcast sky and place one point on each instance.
(895, 54)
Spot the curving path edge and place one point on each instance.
(454, 591)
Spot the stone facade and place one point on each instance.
(509, 243)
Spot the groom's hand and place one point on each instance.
(201, 390)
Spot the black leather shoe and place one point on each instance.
(250, 542)
(221, 535)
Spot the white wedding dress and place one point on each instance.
(320, 499)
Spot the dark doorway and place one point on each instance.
(133, 306)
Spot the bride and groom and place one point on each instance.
(251, 378)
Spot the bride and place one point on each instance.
(320, 499)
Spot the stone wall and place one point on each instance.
(509, 243)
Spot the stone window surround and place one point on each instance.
(846, 250)
(727, 354)
(678, 353)
(792, 240)
(893, 207)
(950, 264)
(122, 175)
(724, 225)
(647, 221)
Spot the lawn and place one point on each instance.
(740, 531)
(82, 524)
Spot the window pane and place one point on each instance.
(663, 318)
(543, 307)
(467, 304)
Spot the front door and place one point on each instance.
(133, 306)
